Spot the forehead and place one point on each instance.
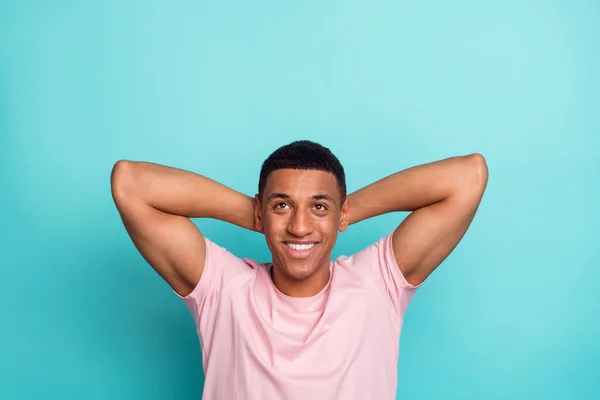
(298, 182)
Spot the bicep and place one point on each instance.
(171, 244)
(428, 235)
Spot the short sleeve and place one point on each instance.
(220, 268)
(378, 263)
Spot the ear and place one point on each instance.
(345, 215)
(258, 225)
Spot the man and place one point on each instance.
(301, 327)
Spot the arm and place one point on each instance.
(155, 203)
(443, 197)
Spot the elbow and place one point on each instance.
(473, 177)
(121, 182)
(477, 175)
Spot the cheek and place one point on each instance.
(327, 225)
(274, 226)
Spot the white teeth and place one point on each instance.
(301, 247)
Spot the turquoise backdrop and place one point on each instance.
(214, 87)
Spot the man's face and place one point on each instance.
(300, 215)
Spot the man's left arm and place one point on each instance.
(443, 197)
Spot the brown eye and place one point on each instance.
(320, 207)
(280, 206)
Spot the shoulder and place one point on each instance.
(221, 254)
(372, 253)
(378, 261)
(221, 266)
(376, 267)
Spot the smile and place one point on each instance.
(301, 247)
(300, 251)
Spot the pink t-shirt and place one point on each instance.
(342, 343)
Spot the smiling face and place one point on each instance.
(300, 215)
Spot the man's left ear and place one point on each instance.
(344, 216)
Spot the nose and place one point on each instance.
(300, 223)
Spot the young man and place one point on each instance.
(301, 327)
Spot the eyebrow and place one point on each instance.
(287, 196)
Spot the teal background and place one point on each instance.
(214, 87)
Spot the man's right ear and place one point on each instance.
(257, 214)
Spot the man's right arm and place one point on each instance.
(156, 202)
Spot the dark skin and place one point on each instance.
(156, 203)
(443, 197)
(301, 206)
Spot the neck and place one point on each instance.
(307, 287)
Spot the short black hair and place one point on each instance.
(306, 155)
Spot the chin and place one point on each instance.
(299, 272)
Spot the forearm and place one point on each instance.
(418, 187)
(181, 192)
